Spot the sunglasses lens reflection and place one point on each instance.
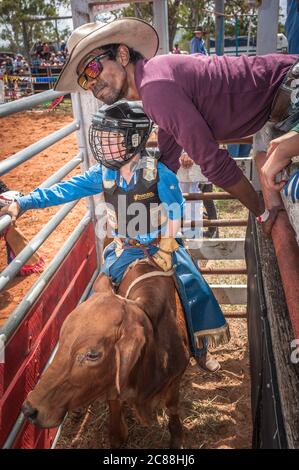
(83, 82)
(93, 69)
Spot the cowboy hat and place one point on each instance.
(132, 32)
(199, 29)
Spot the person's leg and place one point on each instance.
(209, 205)
(204, 317)
(261, 141)
(116, 260)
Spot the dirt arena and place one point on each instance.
(215, 407)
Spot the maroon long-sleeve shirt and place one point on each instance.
(197, 100)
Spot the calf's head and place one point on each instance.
(100, 343)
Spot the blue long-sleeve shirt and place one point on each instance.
(90, 183)
(198, 46)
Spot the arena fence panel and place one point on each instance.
(30, 335)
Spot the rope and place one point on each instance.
(147, 276)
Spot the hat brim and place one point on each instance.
(132, 32)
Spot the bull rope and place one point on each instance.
(147, 276)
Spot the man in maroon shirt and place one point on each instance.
(195, 100)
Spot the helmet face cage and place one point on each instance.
(116, 141)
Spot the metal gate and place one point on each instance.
(30, 335)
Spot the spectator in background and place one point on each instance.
(197, 43)
(61, 58)
(176, 49)
(2, 68)
(8, 66)
(292, 26)
(39, 48)
(63, 47)
(46, 51)
(35, 60)
(18, 64)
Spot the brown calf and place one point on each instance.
(131, 350)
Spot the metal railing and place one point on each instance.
(32, 295)
(26, 154)
(8, 274)
(27, 103)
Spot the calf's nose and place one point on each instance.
(29, 412)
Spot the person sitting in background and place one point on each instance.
(197, 43)
(35, 62)
(60, 58)
(176, 49)
(17, 64)
(8, 66)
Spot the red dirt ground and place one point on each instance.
(215, 407)
(17, 132)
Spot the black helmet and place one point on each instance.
(118, 132)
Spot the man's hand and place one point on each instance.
(279, 155)
(12, 209)
(186, 161)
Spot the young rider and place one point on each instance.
(132, 181)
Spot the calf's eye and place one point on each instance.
(93, 355)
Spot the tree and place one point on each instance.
(188, 14)
(20, 31)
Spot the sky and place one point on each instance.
(283, 5)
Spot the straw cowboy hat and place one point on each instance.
(199, 29)
(132, 32)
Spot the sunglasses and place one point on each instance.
(92, 70)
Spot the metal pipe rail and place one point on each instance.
(207, 196)
(228, 271)
(242, 140)
(220, 223)
(16, 323)
(27, 103)
(20, 157)
(13, 268)
(61, 173)
(21, 310)
(235, 315)
(21, 419)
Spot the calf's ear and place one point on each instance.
(128, 349)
